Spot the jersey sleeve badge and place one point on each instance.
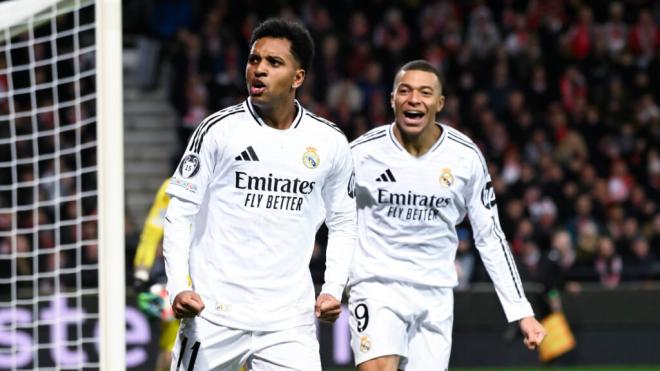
(189, 166)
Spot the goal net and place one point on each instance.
(53, 172)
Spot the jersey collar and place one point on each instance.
(296, 120)
(443, 134)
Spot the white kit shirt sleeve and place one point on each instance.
(194, 173)
(187, 188)
(492, 245)
(176, 241)
(339, 199)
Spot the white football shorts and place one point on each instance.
(202, 345)
(395, 318)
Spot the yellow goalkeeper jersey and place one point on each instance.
(152, 231)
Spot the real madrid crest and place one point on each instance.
(310, 158)
(446, 177)
(365, 343)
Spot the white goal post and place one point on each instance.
(62, 259)
(112, 297)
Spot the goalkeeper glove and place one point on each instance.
(155, 303)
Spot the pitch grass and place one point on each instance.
(559, 368)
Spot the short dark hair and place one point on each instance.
(422, 65)
(302, 45)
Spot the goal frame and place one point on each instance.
(109, 82)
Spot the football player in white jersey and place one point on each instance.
(254, 185)
(415, 180)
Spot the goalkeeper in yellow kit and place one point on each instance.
(152, 298)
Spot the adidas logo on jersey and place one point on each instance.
(247, 155)
(387, 176)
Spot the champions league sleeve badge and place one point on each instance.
(488, 195)
(189, 166)
(310, 158)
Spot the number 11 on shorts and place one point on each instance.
(193, 356)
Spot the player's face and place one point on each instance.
(416, 99)
(272, 73)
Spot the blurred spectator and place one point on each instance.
(582, 215)
(617, 101)
(392, 36)
(580, 36)
(359, 28)
(557, 264)
(641, 263)
(530, 262)
(653, 170)
(573, 86)
(483, 36)
(620, 182)
(644, 37)
(371, 85)
(608, 263)
(588, 234)
(434, 17)
(345, 93)
(538, 91)
(501, 87)
(615, 30)
(465, 259)
(519, 38)
(648, 111)
(653, 234)
(24, 257)
(196, 95)
(329, 66)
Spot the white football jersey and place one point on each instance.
(263, 193)
(408, 209)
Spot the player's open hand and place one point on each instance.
(327, 308)
(187, 304)
(533, 332)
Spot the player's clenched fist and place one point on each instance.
(533, 332)
(187, 304)
(327, 308)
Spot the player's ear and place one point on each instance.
(298, 78)
(392, 100)
(441, 103)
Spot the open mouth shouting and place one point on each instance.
(413, 116)
(257, 87)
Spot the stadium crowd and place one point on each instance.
(561, 96)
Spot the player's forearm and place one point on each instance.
(502, 270)
(342, 233)
(176, 244)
